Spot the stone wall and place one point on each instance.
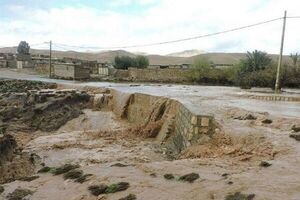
(179, 128)
(153, 75)
(157, 75)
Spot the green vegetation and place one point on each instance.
(28, 178)
(73, 174)
(256, 70)
(124, 62)
(23, 48)
(1, 189)
(239, 196)
(83, 178)
(44, 169)
(63, 169)
(19, 194)
(296, 59)
(104, 189)
(129, 197)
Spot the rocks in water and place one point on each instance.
(129, 197)
(295, 136)
(169, 176)
(296, 128)
(189, 177)
(119, 165)
(19, 194)
(247, 116)
(267, 121)
(73, 174)
(265, 164)
(239, 196)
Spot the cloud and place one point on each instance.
(158, 21)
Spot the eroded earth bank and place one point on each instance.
(98, 143)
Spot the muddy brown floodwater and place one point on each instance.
(127, 134)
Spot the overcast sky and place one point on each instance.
(128, 22)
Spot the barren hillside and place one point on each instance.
(108, 56)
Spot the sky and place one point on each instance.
(115, 23)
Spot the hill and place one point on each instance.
(108, 56)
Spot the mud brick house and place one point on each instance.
(71, 71)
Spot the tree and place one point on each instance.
(295, 58)
(23, 48)
(142, 61)
(124, 62)
(255, 61)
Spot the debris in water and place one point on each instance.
(267, 121)
(189, 177)
(104, 189)
(97, 189)
(296, 128)
(44, 169)
(129, 197)
(153, 175)
(83, 178)
(1, 189)
(119, 165)
(239, 196)
(73, 174)
(229, 182)
(295, 136)
(64, 169)
(29, 178)
(169, 176)
(19, 194)
(265, 164)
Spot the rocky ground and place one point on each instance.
(67, 149)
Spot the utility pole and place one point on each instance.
(280, 56)
(50, 60)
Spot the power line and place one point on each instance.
(178, 40)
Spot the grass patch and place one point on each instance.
(19, 194)
(83, 178)
(117, 187)
(29, 178)
(239, 196)
(73, 174)
(63, 169)
(104, 189)
(189, 177)
(129, 197)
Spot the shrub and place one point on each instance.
(124, 62)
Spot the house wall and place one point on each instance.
(81, 72)
(64, 71)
